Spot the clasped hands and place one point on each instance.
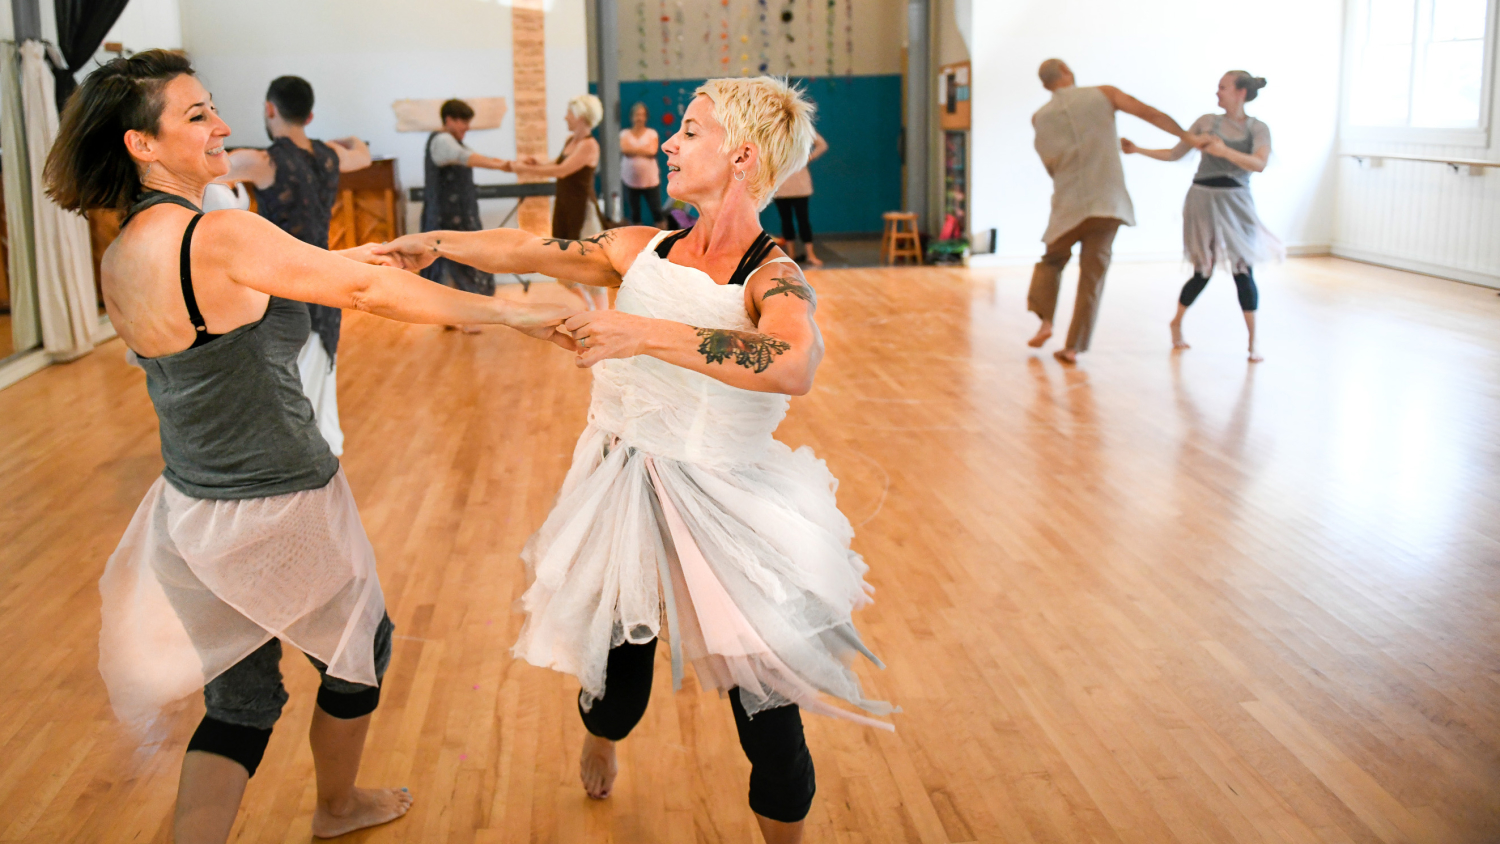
(1207, 142)
(593, 335)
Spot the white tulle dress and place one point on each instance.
(681, 511)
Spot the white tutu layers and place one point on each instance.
(1220, 228)
(197, 585)
(681, 512)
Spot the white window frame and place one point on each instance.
(1475, 137)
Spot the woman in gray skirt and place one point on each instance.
(1219, 223)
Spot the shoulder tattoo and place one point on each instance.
(753, 351)
(791, 285)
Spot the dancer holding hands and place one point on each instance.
(1219, 223)
(251, 534)
(681, 512)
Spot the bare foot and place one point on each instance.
(1067, 356)
(597, 766)
(365, 807)
(1255, 357)
(814, 260)
(1177, 341)
(1043, 334)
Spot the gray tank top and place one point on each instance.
(234, 421)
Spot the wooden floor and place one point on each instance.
(1156, 598)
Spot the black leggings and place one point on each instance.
(1244, 285)
(781, 770)
(633, 198)
(788, 207)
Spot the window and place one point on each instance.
(1420, 64)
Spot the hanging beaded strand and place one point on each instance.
(681, 31)
(640, 25)
(811, 55)
(833, 13)
(765, 37)
(666, 35)
(849, 39)
(788, 39)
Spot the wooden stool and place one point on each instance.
(900, 240)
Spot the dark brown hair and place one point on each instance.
(293, 98)
(456, 109)
(89, 166)
(1251, 85)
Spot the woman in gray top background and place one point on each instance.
(1219, 223)
(251, 535)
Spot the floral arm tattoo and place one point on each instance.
(752, 351)
(587, 246)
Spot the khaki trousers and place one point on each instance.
(1097, 234)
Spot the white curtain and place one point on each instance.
(64, 260)
(21, 266)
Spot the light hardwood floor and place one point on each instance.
(1156, 598)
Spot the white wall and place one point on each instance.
(1171, 55)
(1419, 215)
(145, 24)
(360, 55)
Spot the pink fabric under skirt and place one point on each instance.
(196, 585)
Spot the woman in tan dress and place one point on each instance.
(574, 209)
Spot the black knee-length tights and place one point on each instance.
(782, 781)
(1244, 285)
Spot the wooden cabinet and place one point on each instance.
(370, 207)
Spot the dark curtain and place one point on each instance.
(81, 27)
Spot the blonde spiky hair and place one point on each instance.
(771, 114)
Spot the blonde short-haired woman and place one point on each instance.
(574, 204)
(679, 497)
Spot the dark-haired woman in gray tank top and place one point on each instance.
(251, 535)
(1219, 224)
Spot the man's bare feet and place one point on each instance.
(364, 807)
(1067, 356)
(597, 766)
(1042, 335)
(1177, 341)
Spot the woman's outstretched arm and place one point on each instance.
(252, 251)
(600, 260)
(582, 156)
(1172, 154)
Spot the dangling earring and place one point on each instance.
(739, 175)
(146, 172)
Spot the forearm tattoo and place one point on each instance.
(752, 351)
(587, 246)
(792, 286)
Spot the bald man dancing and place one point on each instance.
(1076, 138)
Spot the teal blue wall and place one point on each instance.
(860, 116)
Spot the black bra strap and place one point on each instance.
(664, 248)
(185, 271)
(753, 256)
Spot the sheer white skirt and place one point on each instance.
(320, 383)
(196, 585)
(1220, 228)
(750, 565)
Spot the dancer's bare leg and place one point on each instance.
(1068, 356)
(337, 745)
(1176, 324)
(1250, 324)
(208, 797)
(597, 766)
(776, 832)
(1042, 335)
(812, 257)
